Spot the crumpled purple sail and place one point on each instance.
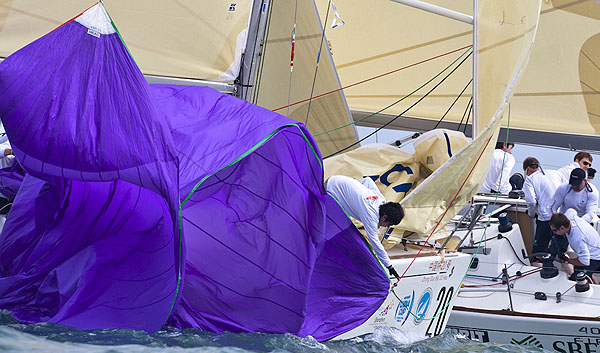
(147, 205)
(11, 178)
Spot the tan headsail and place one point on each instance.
(274, 90)
(399, 36)
(437, 199)
(560, 90)
(561, 82)
(180, 39)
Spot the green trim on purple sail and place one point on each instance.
(263, 141)
(121, 37)
(260, 143)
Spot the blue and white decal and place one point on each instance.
(423, 305)
(404, 308)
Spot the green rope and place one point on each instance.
(398, 101)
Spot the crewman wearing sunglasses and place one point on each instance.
(581, 160)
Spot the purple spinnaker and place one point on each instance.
(127, 181)
(11, 178)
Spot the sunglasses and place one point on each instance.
(587, 164)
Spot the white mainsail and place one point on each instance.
(557, 103)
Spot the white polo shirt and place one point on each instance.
(539, 191)
(361, 200)
(584, 202)
(583, 238)
(496, 168)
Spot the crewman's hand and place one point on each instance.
(563, 257)
(393, 272)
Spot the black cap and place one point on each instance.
(591, 173)
(577, 176)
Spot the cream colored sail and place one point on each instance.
(381, 36)
(561, 83)
(442, 194)
(273, 89)
(180, 39)
(560, 90)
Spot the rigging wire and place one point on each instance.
(396, 102)
(468, 116)
(378, 76)
(293, 43)
(469, 103)
(402, 113)
(433, 231)
(445, 308)
(312, 90)
(452, 105)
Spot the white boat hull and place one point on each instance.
(420, 304)
(548, 332)
(487, 311)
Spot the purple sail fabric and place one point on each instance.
(92, 265)
(93, 239)
(267, 249)
(11, 178)
(78, 113)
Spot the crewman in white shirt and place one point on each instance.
(363, 201)
(539, 190)
(583, 238)
(500, 169)
(581, 160)
(579, 195)
(6, 154)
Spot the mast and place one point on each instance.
(253, 51)
(475, 86)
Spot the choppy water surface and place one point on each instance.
(45, 337)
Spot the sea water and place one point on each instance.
(51, 338)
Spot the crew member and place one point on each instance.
(503, 162)
(364, 202)
(6, 154)
(581, 160)
(539, 190)
(579, 195)
(583, 239)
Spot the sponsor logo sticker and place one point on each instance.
(423, 305)
(527, 341)
(404, 308)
